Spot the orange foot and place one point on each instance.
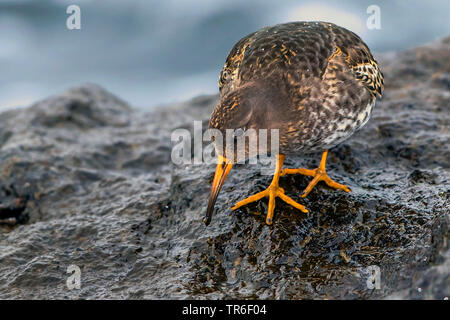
(319, 174)
(273, 191)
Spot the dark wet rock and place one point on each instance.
(86, 180)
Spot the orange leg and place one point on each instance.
(319, 174)
(273, 191)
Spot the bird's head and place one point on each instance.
(239, 118)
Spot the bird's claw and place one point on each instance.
(321, 175)
(272, 192)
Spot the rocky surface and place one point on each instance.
(86, 180)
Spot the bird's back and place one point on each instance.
(330, 75)
(301, 49)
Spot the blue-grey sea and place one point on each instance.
(159, 52)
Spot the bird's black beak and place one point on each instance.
(223, 168)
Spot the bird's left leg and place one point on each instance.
(319, 174)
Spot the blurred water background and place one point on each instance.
(158, 52)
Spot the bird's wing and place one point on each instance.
(358, 59)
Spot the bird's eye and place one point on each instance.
(225, 76)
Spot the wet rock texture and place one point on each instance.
(86, 180)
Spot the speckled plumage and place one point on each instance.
(314, 81)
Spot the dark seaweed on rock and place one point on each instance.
(86, 180)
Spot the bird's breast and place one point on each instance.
(324, 132)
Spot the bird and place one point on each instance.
(313, 81)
